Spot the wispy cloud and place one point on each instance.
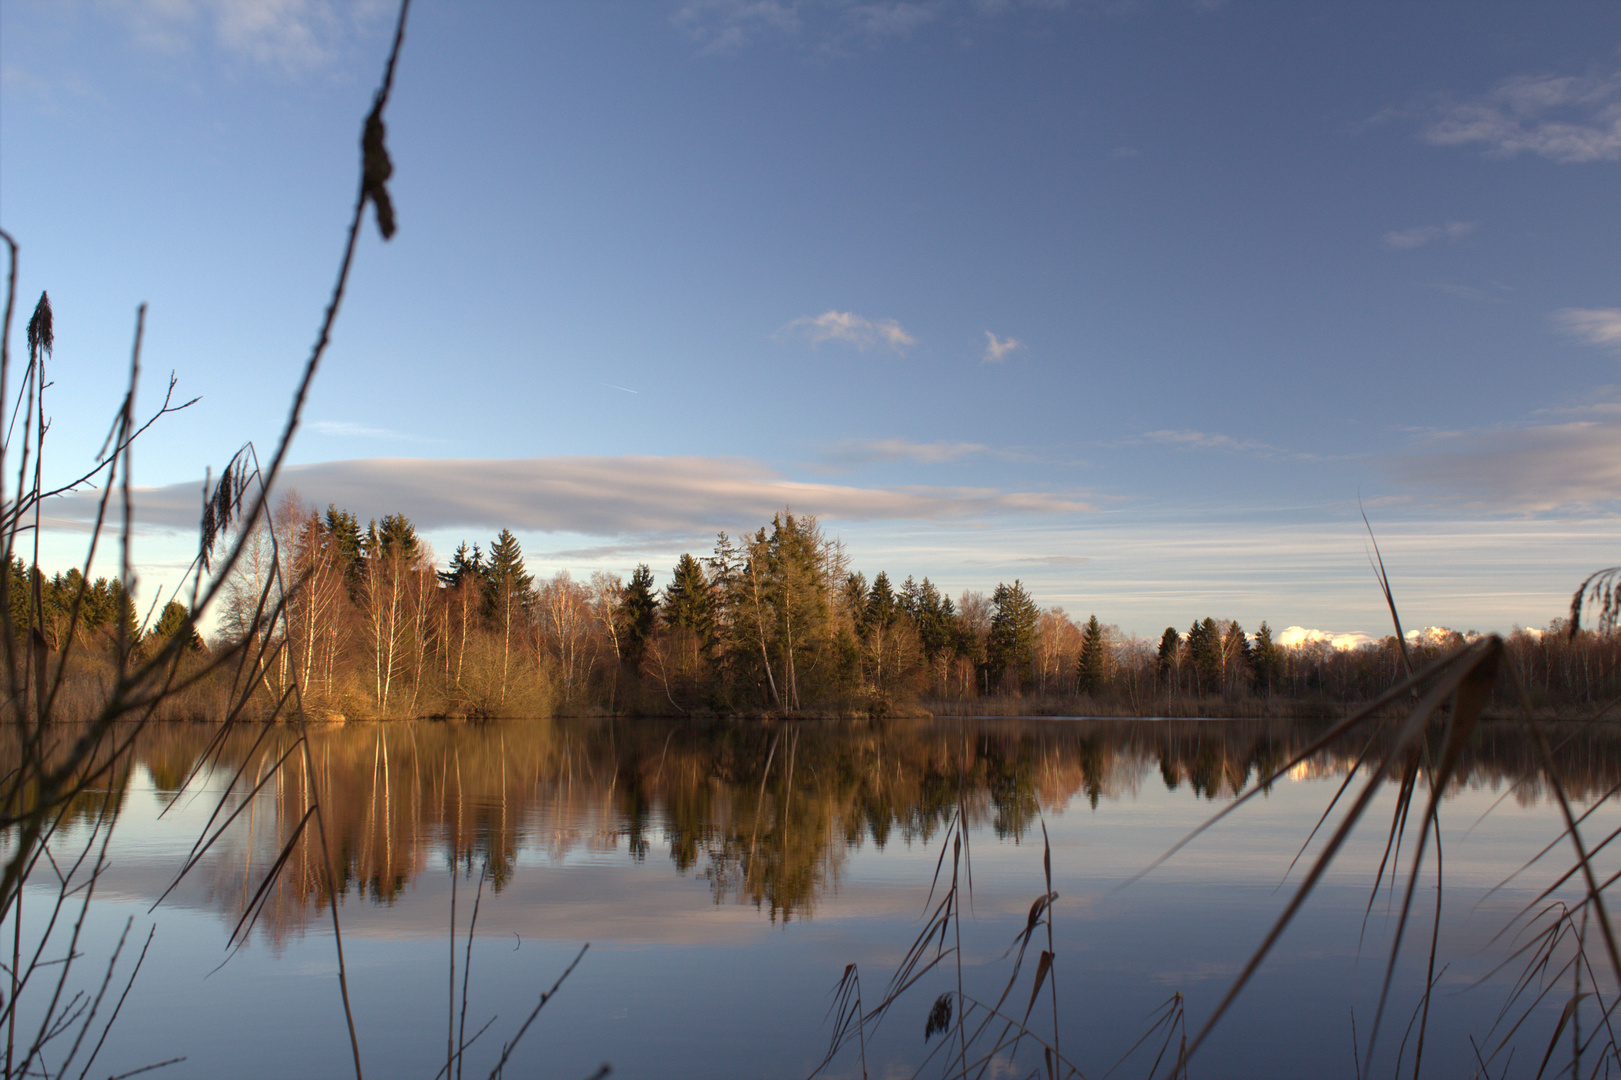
(850, 329)
(1521, 470)
(726, 26)
(295, 37)
(346, 429)
(1564, 118)
(1407, 239)
(600, 496)
(866, 451)
(1596, 326)
(997, 349)
(1203, 440)
(893, 19)
(829, 27)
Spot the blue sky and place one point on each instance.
(1133, 301)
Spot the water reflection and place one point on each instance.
(765, 813)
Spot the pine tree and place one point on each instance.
(1090, 671)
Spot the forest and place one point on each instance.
(351, 621)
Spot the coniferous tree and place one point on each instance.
(344, 529)
(464, 568)
(1236, 659)
(688, 601)
(1090, 671)
(1266, 659)
(640, 608)
(1011, 644)
(509, 590)
(173, 621)
(1168, 643)
(1204, 655)
(879, 615)
(853, 596)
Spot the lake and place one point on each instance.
(725, 874)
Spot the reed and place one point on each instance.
(61, 764)
(1414, 737)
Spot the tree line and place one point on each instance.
(774, 621)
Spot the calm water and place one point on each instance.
(723, 899)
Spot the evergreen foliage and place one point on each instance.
(505, 575)
(464, 568)
(1010, 648)
(1266, 658)
(1091, 671)
(881, 609)
(396, 537)
(1168, 644)
(344, 529)
(688, 601)
(175, 619)
(640, 607)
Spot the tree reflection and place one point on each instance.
(765, 813)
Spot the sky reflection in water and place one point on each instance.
(722, 901)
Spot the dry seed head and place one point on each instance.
(41, 336)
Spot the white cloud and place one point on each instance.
(996, 349)
(599, 496)
(1564, 118)
(1596, 326)
(1296, 637)
(850, 329)
(1521, 470)
(1407, 239)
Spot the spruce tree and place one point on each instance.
(1090, 671)
(1266, 658)
(463, 568)
(396, 536)
(172, 622)
(1012, 641)
(505, 571)
(1168, 643)
(508, 591)
(688, 601)
(640, 607)
(881, 607)
(1206, 654)
(344, 529)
